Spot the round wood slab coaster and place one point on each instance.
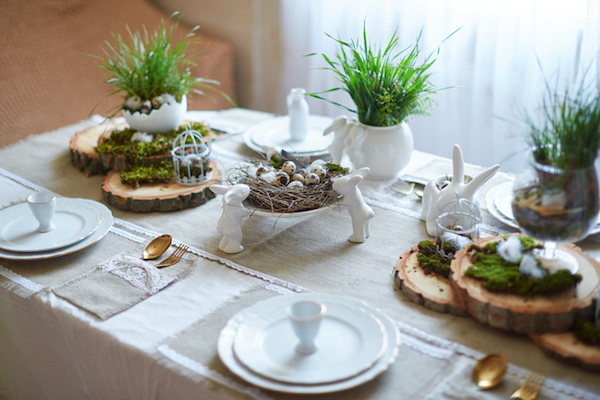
(161, 197)
(541, 314)
(432, 291)
(83, 155)
(566, 347)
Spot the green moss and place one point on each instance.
(587, 332)
(501, 276)
(336, 168)
(137, 175)
(431, 261)
(276, 161)
(119, 142)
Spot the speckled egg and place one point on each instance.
(298, 178)
(320, 171)
(282, 179)
(312, 179)
(289, 167)
(260, 171)
(302, 171)
(295, 184)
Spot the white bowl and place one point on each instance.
(165, 119)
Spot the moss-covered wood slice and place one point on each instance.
(94, 151)
(429, 289)
(523, 314)
(161, 197)
(82, 148)
(567, 348)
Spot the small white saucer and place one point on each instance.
(73, 220)
(275, 133)
(350, 341)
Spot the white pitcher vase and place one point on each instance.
(386, 150)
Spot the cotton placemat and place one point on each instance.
(199, 343)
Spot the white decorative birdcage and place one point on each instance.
(458, 224)
(191, 158)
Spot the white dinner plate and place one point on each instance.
(105, 225)
(73, 221)
(227, 355)
(498, 201)
(349, 341)
(274, 132)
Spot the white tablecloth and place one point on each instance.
(49, 348)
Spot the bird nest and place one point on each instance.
(282, 199)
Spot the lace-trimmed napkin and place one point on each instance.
(115, 285)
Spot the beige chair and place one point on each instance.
(47, 81)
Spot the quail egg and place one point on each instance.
(298, 178)
(295, 184)
(289, 167)
(282, 179)
(312, 179)
(302, 171)
(320, 171)
(146, 107)
(260, 171)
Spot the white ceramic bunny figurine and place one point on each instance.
(437, 192)
(359, 211)
(230, 223)
(341, 127)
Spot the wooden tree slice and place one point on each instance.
(432, 291)
(83, 155)
(540, 314)
(156, 197)
(566, 347)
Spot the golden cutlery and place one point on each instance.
(489, 371)
(530, 388)
(157, 247)
(175, 257)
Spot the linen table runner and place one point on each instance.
(76, 276)
(421, 370)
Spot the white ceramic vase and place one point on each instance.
(165, 119)
(386, 150)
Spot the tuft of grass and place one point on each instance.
(149, 64)
(386, 86)
(567, 133)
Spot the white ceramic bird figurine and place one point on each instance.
(435, 196)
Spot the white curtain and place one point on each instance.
(492, 61)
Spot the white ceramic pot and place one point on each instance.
(165, 119)
(386, 150)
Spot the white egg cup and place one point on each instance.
(42, 205)
(305, 317)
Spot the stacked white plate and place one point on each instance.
(499, 203)
(355, 343)
(275, 133)
(78, 223)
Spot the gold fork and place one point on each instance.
(530, 388)
(175, 257)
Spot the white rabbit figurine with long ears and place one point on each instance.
(230, 223)
(359, 211)
(436, 195)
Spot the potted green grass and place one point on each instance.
(387, 87)
(153, 73)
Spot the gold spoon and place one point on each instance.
(157, 247)
(489, 371)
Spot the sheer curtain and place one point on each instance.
(498, 62)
